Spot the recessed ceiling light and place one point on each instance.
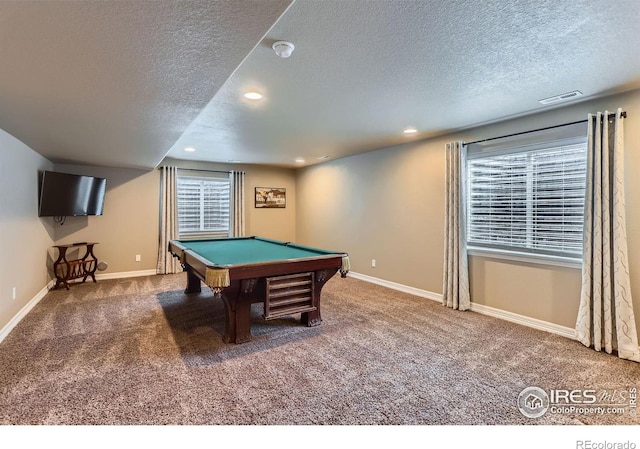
(323, 158)
(300, 160)
(233, 162)
(189, 149)
(410, 131)
(253, 95)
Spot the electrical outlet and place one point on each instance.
(13, 293)
(138, 258)
(373, 263)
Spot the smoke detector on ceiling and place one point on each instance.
(283, 48)
(561, 97)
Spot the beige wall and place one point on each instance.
(129, 224)
(382, 205)
(388, 205)
(278, 224)
(24, 238)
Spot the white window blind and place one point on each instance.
(528, 200)
(203, 206)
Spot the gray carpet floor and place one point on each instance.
(140, 351)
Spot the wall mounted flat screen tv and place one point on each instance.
(66, 195)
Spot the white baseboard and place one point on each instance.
(395, 286)
(125, 274)
(478, 308)
(120, 275)
(26, 309)
(525, 320)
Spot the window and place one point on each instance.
(529, 199)
(203, 206)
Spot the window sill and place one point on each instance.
(202, 235)
(540, 259)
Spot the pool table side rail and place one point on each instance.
(179, 244)
(223, 274)
(182, 252)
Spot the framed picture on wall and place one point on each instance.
(271, 197)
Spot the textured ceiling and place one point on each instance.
(364, 70)
(122, 83)
(115, 83)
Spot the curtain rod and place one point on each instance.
(203, 170)
(206, 171)
(623, 114)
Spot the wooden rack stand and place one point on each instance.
(289, 294)
(67, 270)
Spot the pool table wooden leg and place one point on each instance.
(193, 283)
(237, 301)
(314, 317)
(311, 319)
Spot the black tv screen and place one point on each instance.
(65, 195)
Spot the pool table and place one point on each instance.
(286, 277)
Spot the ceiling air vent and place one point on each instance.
(561, 97)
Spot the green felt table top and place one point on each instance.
(237, 251)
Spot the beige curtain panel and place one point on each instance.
(455, 288)
(168, 264)
(605, 317)
(237, 193)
